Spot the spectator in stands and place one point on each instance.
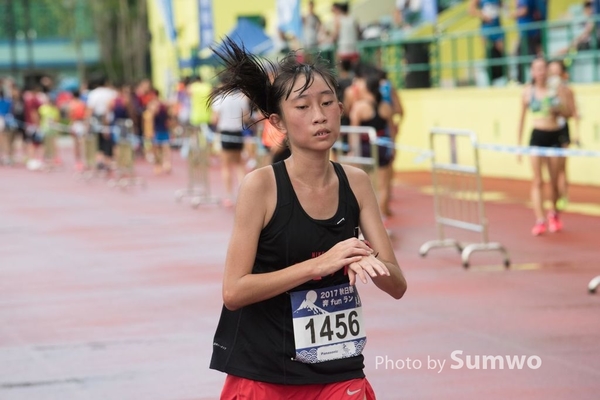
(583, 41)
(595, 28)
(530, 40)
(590, 37)
(346, 33)
(408, 13)
(488, 11)
(311, 28)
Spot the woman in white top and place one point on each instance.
(345, 33)
(230, 114)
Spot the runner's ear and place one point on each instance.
(278, 123)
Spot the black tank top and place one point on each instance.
(257, 341)
(380, 124)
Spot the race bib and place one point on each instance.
(327, 324)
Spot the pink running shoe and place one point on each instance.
(554, 224)
(538, 228)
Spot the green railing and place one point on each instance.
(459, 58)
(45, 19)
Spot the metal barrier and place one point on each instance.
(458, 198)
(357, 145)
(126, 142)
(196, 148)
(50, 153)
(593, 285)
(89, 153)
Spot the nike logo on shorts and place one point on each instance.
(352, 392)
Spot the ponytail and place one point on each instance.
(247, 73)
(244, 72)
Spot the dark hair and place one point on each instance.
(363, 70)
(346, 65)
(343, 7)
(561, 64)
(247, 73)
(372, 84)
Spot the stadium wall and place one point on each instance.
(494, 115)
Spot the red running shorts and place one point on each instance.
(237, 388)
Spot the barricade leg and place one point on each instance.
(469, 249)
(197, 150)
(90, 150)
(439, 243)
(593, 285)
(50, 158)
(125, 156)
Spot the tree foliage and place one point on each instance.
(121, 29)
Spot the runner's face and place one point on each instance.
(311, 118)
(554, 70)
(539, 70)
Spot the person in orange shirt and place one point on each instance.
(78, 126)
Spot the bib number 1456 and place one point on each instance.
(327, 324)
(341, 326)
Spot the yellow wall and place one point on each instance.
(493, 114)
(225, 13)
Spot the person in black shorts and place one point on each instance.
(370, 110)
(231, 114)
(547, 101)
(291, 324)
(558, 69)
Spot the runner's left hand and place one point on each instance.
(368, 265)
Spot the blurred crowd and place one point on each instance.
(32, 120)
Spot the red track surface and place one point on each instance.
(115, 294)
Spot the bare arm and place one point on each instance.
(398, 18)
(373, 230)
(356, 117)
(583, 36)
(397, 104)
(524, 105)
(574, 114)
(240, 286)
(336, 30)
(474, 9)
(565, 107)
(398, 114)
(519, 11)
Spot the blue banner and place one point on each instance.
(289, 17)
(165, 8)
(205, 19)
